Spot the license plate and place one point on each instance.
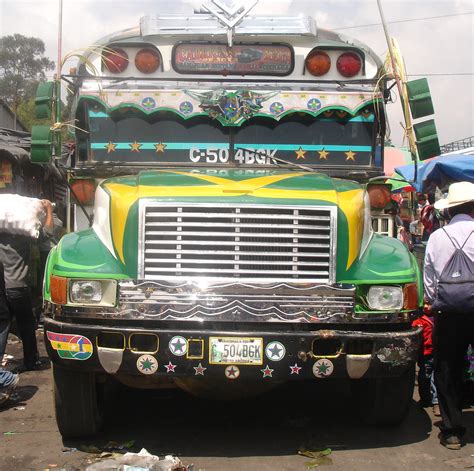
(235, 351)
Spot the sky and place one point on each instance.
(436, 39)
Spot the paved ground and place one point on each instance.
(259, 434)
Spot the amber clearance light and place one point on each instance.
(318, 63)
(83, 191)
(410, 296)
(379, 195)
(58, 289)
(147, 60)
(115, 59)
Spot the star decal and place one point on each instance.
(110, 147)
(199, 370)
(323, 368)
(323, 155)
(300, 153)
(350, 155)
(232, 372)
(275, 351)
(178, 345)
(267, 372)
(146, 364)
(160, 147)
(170, 367)
(295, 369)
(135, 146)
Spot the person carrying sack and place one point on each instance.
(449, 289)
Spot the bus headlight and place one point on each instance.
(93, 292)
(384, 298)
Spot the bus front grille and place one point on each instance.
(251, 242)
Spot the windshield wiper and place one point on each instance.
(278, 159)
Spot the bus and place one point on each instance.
(222, 174)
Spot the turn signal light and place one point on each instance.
(83, 191)
(349, 64)
(379, 195)
(115, 59)
(410, 296)
(58, 289)
(147, 60)
(318, 63)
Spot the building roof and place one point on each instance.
(5, 106)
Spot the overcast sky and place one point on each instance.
(442, 49)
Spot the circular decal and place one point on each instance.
(232, 372)
(277, 108)
(275, 351)
(147, 364)
(70, 346)
(178, 346)
(186, 107)
(314, 104)
(323, 368)
(148, 103)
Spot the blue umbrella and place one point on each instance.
(439, 172)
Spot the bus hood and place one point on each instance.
(117, 199)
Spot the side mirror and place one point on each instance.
(41, 144)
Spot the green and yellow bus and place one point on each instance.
(224, 161)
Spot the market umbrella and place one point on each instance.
(439, 172)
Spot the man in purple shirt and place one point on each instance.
(453, 331)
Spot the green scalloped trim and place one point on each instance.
(222, 120)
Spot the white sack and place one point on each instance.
(21, 215)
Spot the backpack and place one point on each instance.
(455, 291)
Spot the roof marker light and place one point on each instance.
(114, 59)
(147, 60)
(318, 63)
(349, 64)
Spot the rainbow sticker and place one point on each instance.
(71, 347)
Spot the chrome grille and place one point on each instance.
(244, 242)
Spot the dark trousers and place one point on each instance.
(451, 338)
(19, 303)
(426, 387)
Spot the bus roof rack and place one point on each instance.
(171, 24)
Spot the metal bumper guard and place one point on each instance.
(177, 352)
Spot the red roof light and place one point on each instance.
(114, 59)
(349, 64)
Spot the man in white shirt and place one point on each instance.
(453, 331)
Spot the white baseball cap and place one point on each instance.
(458, 193)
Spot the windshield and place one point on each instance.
(334, 138)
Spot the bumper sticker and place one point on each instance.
(232, 372)
(70, 346)
(178, 346)
(199, 370)
(295, 369)
(267, 372)
(147, 364)
(323, 368)
(170, 367)
(275, 351)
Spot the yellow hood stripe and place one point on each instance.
(124, 196)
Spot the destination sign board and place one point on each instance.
(254, 59)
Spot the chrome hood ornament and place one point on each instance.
(229, 14)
